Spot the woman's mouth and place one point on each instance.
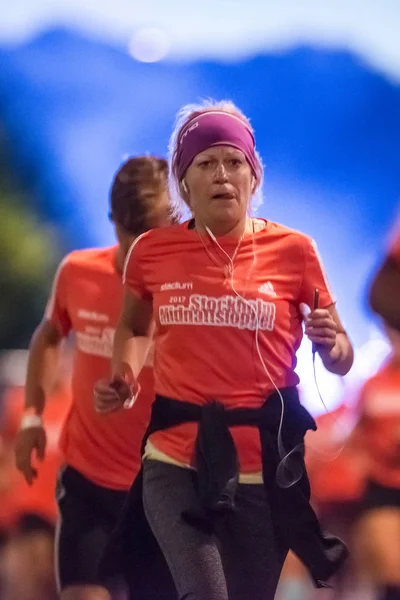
(223, 196)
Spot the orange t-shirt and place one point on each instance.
(379, 407)
(38, 498)
(205, 339)
(335, 462)
(86, 299)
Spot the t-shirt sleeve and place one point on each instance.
(56, 310)
(314, 277)
(133, 275)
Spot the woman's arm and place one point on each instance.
(133, 336)
(132, 340)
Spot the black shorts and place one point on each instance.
(87, 516)
(380, 496)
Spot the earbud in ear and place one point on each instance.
(184, 186)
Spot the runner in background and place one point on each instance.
(101, 455)
(378, 531)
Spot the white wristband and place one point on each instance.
(29, 421)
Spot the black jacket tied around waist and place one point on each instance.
(216, 463)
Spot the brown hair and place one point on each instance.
(135, 192)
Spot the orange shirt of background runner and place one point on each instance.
(86, 300)
(379, 408)
(336, 464)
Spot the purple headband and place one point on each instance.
(215, 128)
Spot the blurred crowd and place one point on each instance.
(353, 459)
(28, 514)
(353, 462)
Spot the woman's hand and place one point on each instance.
(112, 395)
(30, 441)
(321, 329)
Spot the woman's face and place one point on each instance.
(219, 184)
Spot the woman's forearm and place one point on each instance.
(43, 362)
(129, 352)
(340, 359)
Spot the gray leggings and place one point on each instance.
(240, 560)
